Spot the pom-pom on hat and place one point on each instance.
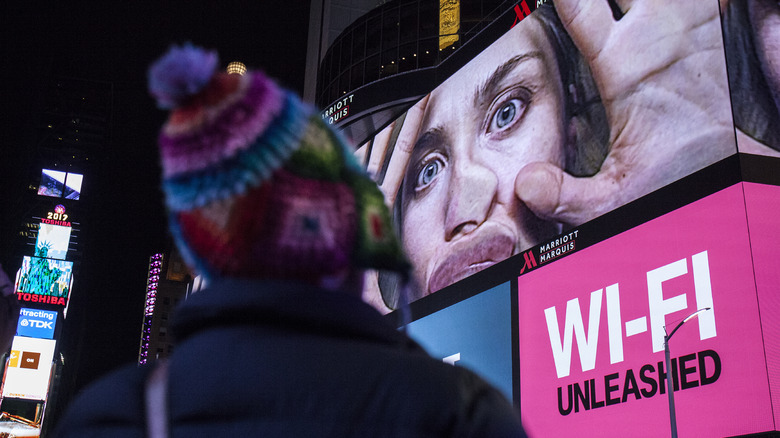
(257, 185)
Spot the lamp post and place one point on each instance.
(669, 384)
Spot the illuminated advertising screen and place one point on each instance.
(592, 326)
(763, 202)
(751, 41)
(52, 183)
(28, 368)
(44, 280)
(36, 323)
(58, 184)
(475, 333)
(52, 241)
(73, 186)
(547, 128)
(585, 161)
(19, 430)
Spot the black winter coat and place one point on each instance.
(272, 359)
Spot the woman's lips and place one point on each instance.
(469, 257)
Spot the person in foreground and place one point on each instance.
(266, 202)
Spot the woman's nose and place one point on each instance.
(470, 197)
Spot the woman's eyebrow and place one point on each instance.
(489, 88)
(430, 139)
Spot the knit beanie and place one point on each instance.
(256, 184)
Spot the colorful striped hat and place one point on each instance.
(257, 185)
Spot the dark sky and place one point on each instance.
(114, 42)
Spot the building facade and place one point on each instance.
(44, 247)
(168, 283)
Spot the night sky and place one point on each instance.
(115, 42)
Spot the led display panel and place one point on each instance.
(44, 280)
(52, 183)
(592, 325)
(52, 241)
(475, 333)
(603, 179)
(762, 202)
(73, 186)
(751, 42)
(548, 128)
(59, 184)
(28, 369)
(19, 430)
(36, 323)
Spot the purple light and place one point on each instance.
(153, 278)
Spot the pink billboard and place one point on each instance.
(763, 204)
(591, 331)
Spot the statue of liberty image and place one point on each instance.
(42, 250)
(43, 277)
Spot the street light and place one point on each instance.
(669, 385)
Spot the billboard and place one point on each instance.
(475, 333)
(73, 186)
(36, 323)
(52, 183)
(28, 368)
(547, 128)
(751, 43)
(591, 169)
(762, 202)
(593, 324)
(58, 184)
(52, 241)
(44, 280)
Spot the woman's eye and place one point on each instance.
(508, 108)
(506, 115)
(428, 173)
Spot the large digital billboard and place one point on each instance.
(475, 333)
(592, 326)
(28, 368)
(588, 155)
(52, 183)
(58, 184)
(752, 42)
(549, 127)
(36, 323)
(762, 202)
(19, 429)
(52, 241)
(44, 280)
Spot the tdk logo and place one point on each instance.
(36, 323)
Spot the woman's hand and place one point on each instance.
(661, 74)
(401, 150)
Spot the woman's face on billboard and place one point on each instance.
(504, 110)
(765, 19)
